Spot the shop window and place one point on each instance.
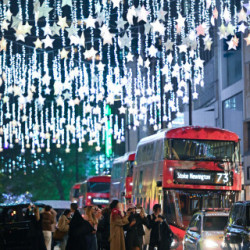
(233, 115)
(233, 64)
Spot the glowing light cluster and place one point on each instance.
(62, 63)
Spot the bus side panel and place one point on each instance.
(115, 182)
(129, 186)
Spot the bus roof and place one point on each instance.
(77, 185)
(202, 133)
(101, 178)
(130, 156)
(193, 132)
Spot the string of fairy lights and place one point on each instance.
(64, 63)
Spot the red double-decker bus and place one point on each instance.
(187, 169)
(121, 178)
(94, 191)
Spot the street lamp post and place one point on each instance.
(190, 115)
(77, 167)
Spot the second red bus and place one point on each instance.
(121, 178)
(94, 191)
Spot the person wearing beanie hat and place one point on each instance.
(131, 206)
(135, 232)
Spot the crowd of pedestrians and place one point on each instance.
(108, 228)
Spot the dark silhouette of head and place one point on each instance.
(156, 208)
(66, 212)
(113, 204)
(47, 208)
(73, 207)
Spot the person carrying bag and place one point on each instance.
(61, 232)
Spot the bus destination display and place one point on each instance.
(203, 178)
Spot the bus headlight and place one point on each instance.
(89, 197)
(210, 244)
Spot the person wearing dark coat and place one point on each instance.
(103, 230)
(78, 228)
(166, 235)
(135, 232)
(37, 240)
(155, 221)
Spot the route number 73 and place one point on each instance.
(222, 178)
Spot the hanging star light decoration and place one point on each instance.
(247, 39)
(64, 54)
(62, 22)
(143, 14)
(3, 44)
(158, 27)
(48, 42)
(69, 69)
(38, 43)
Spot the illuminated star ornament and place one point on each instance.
(247, 39)
(62, 22)
(64, 54)
(38, 43)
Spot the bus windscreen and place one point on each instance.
(201, 150)
(98, 187)
(76, 193)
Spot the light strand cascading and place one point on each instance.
(63, 62)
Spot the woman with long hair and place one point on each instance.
(63, 226)
(90, 216)
(117, 221)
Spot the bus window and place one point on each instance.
(129, 167)
(211, 201)
(145, 153)
(195, 205)
(227, 200)
(167, 149)
(76, 193)
(98, 187)
(179, 207)
(202, 150)
(158, 150)
(169, 208)
(140, 181)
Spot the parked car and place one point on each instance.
(15, 226)
(237, 232)
(206, 230)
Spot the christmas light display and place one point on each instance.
(63, 63)
(10, 199)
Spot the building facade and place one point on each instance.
(225, 99)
